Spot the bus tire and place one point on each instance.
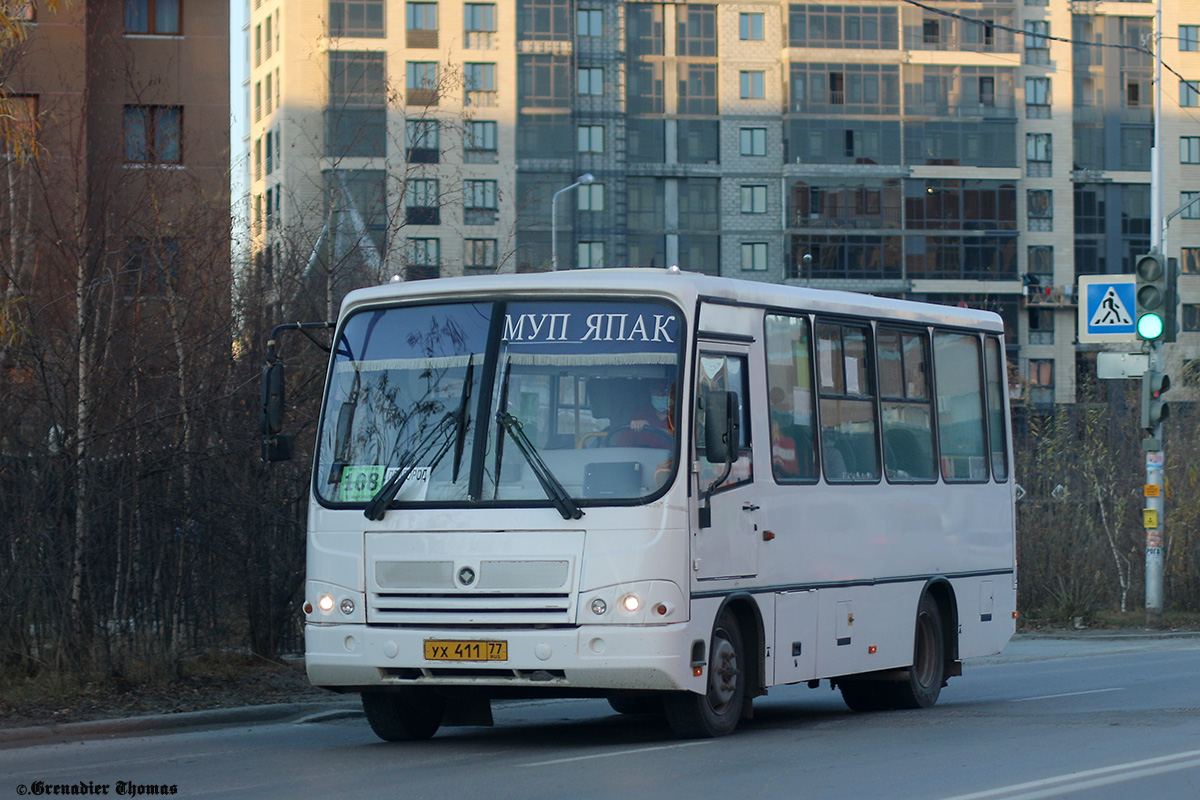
(928, 671)
(717, 711)
(636, 704)
(865, 695)
(406, 715)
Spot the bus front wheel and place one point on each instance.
(717, 711)
(405, 715)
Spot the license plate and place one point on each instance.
(468, 650)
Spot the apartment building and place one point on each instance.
(983, 153)
(114, 223)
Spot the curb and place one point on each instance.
(187, 720)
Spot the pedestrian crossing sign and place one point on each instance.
(1106, 308)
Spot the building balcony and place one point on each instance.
(1050, 296)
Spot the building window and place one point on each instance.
(754, 256)
(423, 141)
(696, 29)
(590, 138)
(479, 17)
(421, 205)
(591, 255)
(1040, 203)
(754, 141)
(479, 202)
(544, 20)
(697, 88)
(479, 255)
(357, 18)
(1041, 381)
(1191, 318)
(591, 80)
(1189, 38)
(590, 198)
(754, 199)
(753, 85)
(479, 83)
(153, 134)
(479, 142)
(1041, 266)
(424, 259)
(1189, 95)
(987, 91)
(1190, 260)
(1037, 98)
(356, 123)
(589, 22)
(150, 266)
(1038, 153)
(422, 83)
(1036, 32)
(1192, 211)
(750, 26)
(1189, 149)
(421, 17)
(152, 16)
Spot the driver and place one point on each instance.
(650, 421)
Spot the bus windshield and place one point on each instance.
(426, 403)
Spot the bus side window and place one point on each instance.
(956, 361)
(997, 435)
(789, 379)
(906, 412)
(849, 441)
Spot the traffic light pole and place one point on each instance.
(1152, 514)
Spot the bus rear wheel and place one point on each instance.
(404, 715)
(717, 711)
(928, 671)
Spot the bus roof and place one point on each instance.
(685, 287)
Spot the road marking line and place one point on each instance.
(614, 753)
(1077, 781)
(1067, 694)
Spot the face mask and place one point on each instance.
(659, 401)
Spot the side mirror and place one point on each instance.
(722, 427)
(271, 420)
(722, 433)
(275, 446)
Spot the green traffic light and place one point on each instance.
(1150, 326)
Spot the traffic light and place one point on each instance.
(1171, 312)
(1154, 385)
(1151, 296)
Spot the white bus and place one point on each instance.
(666, 489)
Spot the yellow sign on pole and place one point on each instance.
(1153, 490)
(1149, 518)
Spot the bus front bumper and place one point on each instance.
(605, 657)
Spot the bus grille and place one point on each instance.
(499, 592)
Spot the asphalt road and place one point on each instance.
(1079, 718)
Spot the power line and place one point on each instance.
(1195, 85)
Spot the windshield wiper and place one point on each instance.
(439, 436)
(463, 418)
(550, 484)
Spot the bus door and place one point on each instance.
(728, 547)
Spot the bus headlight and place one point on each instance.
(347, 606)
(635, 603)
(325, 603)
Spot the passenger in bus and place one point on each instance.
(783, 453)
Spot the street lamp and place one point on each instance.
(583, 180)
